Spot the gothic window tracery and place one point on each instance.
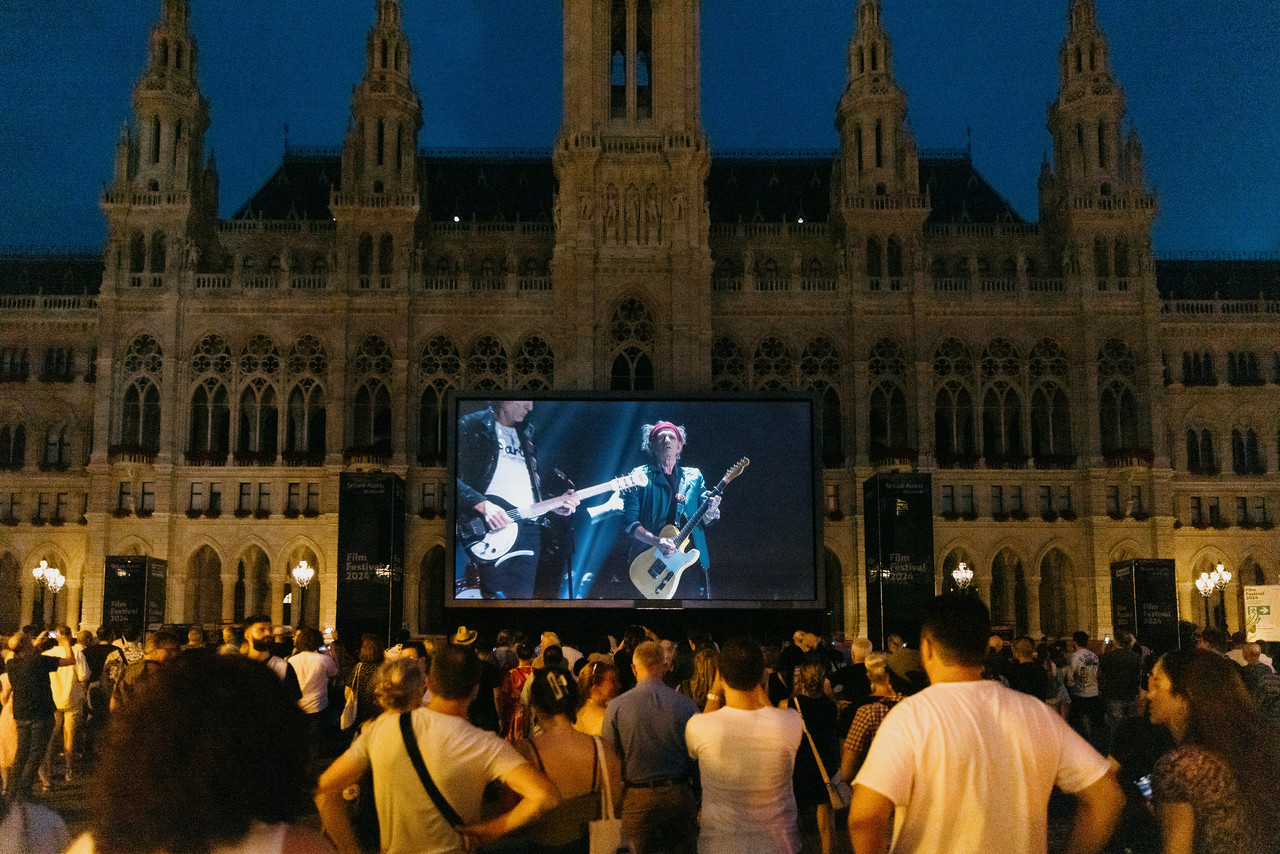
(728, 365)
(773, 366)
(305, 416)
(1050, 405)
(487, 365)
(820, 370)
(371, 404)
(439, 369)
(632, 332)
(887, 371)
(954, 439)
(535, 365)
(1118, 406)
(141, 370)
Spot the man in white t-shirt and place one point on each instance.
(969, 763)
(461, 759)
(314, 670)
(746, 753)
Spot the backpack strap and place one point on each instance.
(415, 756)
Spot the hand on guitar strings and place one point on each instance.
(570, 503)
(713, 509)
(494, 516)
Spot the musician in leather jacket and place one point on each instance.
(672, 496)
(497, 457)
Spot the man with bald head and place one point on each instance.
(646, 727)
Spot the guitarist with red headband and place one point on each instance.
(672, 496)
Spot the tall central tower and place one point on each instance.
(377, 207)
(631, 258)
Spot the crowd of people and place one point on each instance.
(528, 743)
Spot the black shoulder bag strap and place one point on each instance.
(415, 756)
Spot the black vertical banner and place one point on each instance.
(133, 592)
(1144, 601)
(370, 589)
(898, 514)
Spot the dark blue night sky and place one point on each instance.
(1202, 80)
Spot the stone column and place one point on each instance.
(278, 580)
(229, 596)
(1033, 604)
(70, 595)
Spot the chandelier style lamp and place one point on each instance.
(962, 575)
(303, 573)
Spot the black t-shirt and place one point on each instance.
(96, 656)
(482, 712)
(29, 679)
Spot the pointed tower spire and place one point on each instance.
(379, 154)
(171, 114)
(881, 208)
(378, 204)
(879, 156)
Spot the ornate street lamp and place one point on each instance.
(302, 574)
(962, 575)
(49, 578)
(1211, 581)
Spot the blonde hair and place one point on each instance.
(399, 685)
(878, 667)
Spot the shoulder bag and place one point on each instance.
(606, 831)
(838, 790)
(415, 756)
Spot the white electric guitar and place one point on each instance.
(488, 545)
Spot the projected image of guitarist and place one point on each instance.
(497, 473)
(674, 495)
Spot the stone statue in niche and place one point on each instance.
(631, 215)
(652, 216)
(677, 207)
(191, 257)
(612, 213)
(584, 206)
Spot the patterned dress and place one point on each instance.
(1195, 776)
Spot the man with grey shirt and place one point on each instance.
(646, 726)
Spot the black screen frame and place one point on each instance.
(811, 471)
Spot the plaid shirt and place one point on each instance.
(864, 726)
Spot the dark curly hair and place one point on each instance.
(211, 745)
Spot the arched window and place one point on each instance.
(773, 367)
(618, 60)
(888, 420)
(874, 260)
(140, 421)
(364, 255)
(259, 421)
(305, 423)
(158, 252)
(1245, 456)
(953, 425)
(210, 422)
(155, 139)
(894, 252)
(879, 124)
(137, 253)
(380, 152)
(13, 447)
(1102, 143)
(644, 64)
(1193, 451)
(371, 417)
(889, 414)
(857, 144)
(728, 366)
(535, 365)
(1121, 258)
(632, 332)
(1002, 423)
(820, 371)
(439, 369)
(487, 365)
(1101, 265)
(1120, 428)
(386, 255)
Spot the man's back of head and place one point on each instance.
(1023, 650)
(859, 649)
(455, 672)
(958, 625)
(648, 660)
(1081, 639)
(741, 663)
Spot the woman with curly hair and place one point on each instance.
(361, 681)
(1216, 792)
(211, 756)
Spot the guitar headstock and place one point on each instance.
(736, 469)
(633, 480)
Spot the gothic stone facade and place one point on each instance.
(194, 392)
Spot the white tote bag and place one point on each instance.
(606, 831)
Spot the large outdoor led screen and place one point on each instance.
(637, 482)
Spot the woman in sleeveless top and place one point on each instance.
(597, 685)
(571, 759)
